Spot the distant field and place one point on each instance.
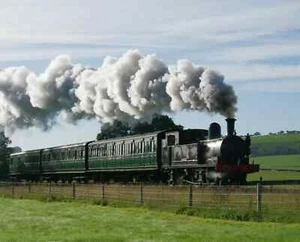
(285, 144)
(290, 138)
(291, 162)
(29, 220)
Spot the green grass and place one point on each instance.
(274, 176)
(291, 162)
(29, 220)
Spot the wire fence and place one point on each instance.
(250, 198)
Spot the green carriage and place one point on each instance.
(25, 164)
(128, 152)
(67, 159)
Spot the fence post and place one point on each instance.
(142, 193)
(259, 190)
(13, 190)
(29, 187)
(191, 196)
(74, 190)
(103, 194)
(50, 187)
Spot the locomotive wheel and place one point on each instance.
(243, 179)
(218, 181)
(203, 177)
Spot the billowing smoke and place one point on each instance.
(131, 87)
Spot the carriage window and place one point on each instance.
(134, 150)
(142, 146)
(75, 155)
(81, 153)
(95, 150)
(98, 150)
(132, 147)
(113, 150)
(171, 140)
(104, 150)
(151, 146)
(107, 150)
(110, 150)
(122, 148)
(117, 149)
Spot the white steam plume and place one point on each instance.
(133, 86)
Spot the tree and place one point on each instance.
(4, 156)
(159, 122)
(257, 134)
(118, 129)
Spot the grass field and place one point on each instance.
(29, 220)
(291, 162)
(274, 176)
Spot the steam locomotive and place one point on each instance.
(171, 156)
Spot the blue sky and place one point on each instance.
(254, 44)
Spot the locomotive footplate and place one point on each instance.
(241, 169)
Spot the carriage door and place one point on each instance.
(171, 143)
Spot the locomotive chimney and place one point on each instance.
(230, 126)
